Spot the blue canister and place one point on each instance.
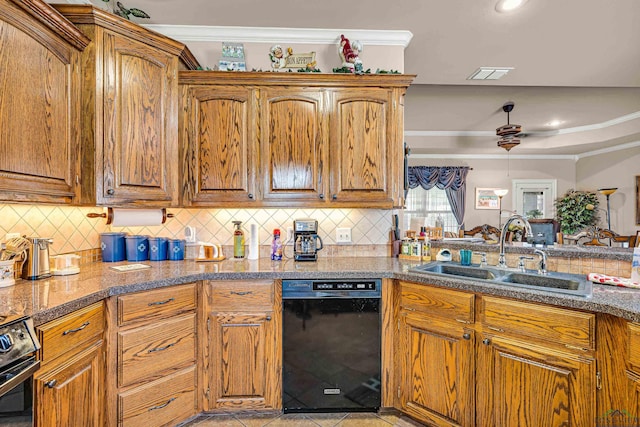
(175, 249)
(137, 248)
(157, 248)
(113, 246)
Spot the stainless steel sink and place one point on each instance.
(458, 270)
(566, 283)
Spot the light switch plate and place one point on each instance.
(343, 235)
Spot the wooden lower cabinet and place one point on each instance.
(72, 394)
(244, 345)
(523, 384)
(519, 364)
(438, 376)
(69, 388)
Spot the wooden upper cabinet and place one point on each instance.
(218, 152)
(130, 111)
(40, 103)
(361, 153)
(316, 140)
(293, 141)
(140, 140)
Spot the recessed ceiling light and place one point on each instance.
(509, 5)
(554, 123)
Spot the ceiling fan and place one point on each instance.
(509, 134)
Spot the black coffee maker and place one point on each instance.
(306, 242)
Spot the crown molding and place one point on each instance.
(567, 131)
(496, 156)
(191, 33)
(615, 148)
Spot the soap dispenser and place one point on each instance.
(238, 241)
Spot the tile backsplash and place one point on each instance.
(72, 231)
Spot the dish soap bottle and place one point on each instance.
(276, 246)
(238, 241)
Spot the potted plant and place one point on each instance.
(576, 210)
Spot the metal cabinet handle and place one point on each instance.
(153, 408)
(110, 191)
(486, 341)
(161, 302)
(268, 318)
(250, 195)
(466, 336)
(153, 350)
(241, 293)
(334, 197)
(51, 384)
(321, 195)
(70, 331)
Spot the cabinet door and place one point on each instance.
(245, 372)
(521, 384)
(293, 145)
(39, 111)
(437, 371)
(140, 144)
(219, 145)
(361, 168)
(72, 394)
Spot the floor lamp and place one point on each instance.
(608, 192)
(500, 192)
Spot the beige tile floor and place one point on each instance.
(355, 419)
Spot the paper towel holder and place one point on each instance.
(109, 215)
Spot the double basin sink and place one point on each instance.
(565, 283)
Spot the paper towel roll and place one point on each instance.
(254, 242)
(136, 217)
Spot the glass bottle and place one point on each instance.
(238, 241)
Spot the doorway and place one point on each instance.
(534, 198)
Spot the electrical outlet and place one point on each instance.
(343, 235)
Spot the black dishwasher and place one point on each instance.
(331, 345)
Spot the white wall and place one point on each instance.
(493, 174)
(616, 169)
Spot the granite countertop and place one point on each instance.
(47, 299)
(566, 251)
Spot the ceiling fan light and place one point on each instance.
(509, 5)
(508, 143)
(508, 129)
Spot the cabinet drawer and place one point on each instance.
(152, 351)
(166, 401)
(634, 346)
(444, 303)
(573, 329)
(72, 333)
(238, 295)
(156, 304)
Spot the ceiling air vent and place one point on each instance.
(489, 73)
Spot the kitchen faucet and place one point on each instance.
(503, 236)
(542, 267)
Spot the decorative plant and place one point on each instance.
(122, 11)
(576, 210)
(534, 214)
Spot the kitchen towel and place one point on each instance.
(136, 217)
(254, 242)
(603, 279)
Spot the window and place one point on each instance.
(423, 208)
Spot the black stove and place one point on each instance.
(18, 362)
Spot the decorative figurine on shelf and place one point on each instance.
(277, 56)
(349, 53)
